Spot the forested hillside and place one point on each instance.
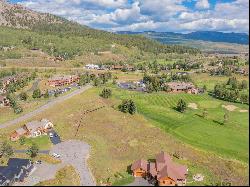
(60, 37)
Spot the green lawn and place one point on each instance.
(229, 140)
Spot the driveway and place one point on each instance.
(75, 153)
(140, 182)
(44, 107)
(56, 138)
(41, 172)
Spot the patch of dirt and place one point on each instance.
(230, 108)
(193, 106)
(243, 111)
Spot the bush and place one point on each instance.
(106, 93)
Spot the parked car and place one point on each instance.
(51, 135)
(56, 155)
(38, 162)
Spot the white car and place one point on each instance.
(56, 155)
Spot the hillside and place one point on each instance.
(60, 37)
(14, 15)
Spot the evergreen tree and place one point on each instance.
(132, 107)
(181, 106)
(46, 94)
(33, 150)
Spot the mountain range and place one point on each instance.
(15, 19)
(211, 36)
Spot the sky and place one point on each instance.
(150, 15)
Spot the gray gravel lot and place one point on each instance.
(75, 153)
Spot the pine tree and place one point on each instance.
(181, 106)
(132, 107)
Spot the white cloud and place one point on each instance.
(202, 4)
(159, 15)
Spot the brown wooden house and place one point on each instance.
(140, 168)
(163, 171)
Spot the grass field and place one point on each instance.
(119, 139)
(229, 140)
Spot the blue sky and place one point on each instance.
(157, 15)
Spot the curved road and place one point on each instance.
(44, 107)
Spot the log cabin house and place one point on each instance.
(163, 171)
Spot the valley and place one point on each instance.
(81, 106)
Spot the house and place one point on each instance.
(16, 171)
(63, 80)
(140, 168)
(32, 129)
(4, 101)
(163, 171)
(177, 87)
(92, 66)
(117, 67)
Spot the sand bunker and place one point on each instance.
(243, 111)
(193, 106)
(230, 108)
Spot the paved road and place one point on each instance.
(44, 107)
(75, 153)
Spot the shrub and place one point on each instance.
(106, 93)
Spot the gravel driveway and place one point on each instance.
(41, 173)
(140, 182)
(44, 107)
(75, 153)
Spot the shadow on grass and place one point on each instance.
(218, 122)
(129, 171)
(199, 115)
